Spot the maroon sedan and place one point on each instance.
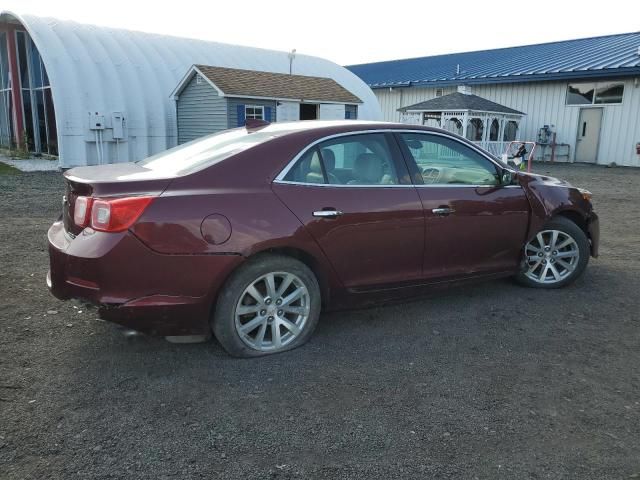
(249, 233)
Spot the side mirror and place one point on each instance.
(508, 177)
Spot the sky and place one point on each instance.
(351, 32)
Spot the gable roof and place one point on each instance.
(612, 55)
(459, 101)
(236, 82)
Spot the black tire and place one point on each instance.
(561, 224)
(223, 320)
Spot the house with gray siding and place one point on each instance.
(211, 99)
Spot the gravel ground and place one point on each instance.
(487, 381)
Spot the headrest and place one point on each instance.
(315, 166)
(368, 168)
(329, 159)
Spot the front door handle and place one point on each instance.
(327, 213)
(443, 211)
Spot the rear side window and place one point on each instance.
(441, 160)
(351, 160)
(206, 151)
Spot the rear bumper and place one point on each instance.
(594, 233)
(134, 286)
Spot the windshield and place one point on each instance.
(206, 151)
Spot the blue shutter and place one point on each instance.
(241, 120)
(267, 114)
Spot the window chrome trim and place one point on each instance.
(459, 185)
(432, 185)
(342, 185)
(283, 173)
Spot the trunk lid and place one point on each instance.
(117, 180)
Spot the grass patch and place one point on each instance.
(8, 169)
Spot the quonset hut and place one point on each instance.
(92, 95)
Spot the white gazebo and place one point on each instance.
(486, 123)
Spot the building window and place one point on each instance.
(510, 131)
(254, 112)
(350, 112)
(439, 92)
(475, 130)
(454, 125)
(37, 104)
(494, 130)
(199, 79)
(594, 93)
(6, 108)
(609, 92)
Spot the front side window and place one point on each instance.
(255, 112)
(352, 160)
(594, 93)
(444, 161)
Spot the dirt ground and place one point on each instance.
(487, 381)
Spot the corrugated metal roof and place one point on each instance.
(459, 101)
(612, 55)
(280, 86)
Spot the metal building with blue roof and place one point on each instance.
(586, 91)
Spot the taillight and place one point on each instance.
(82, 211)
(118, 214)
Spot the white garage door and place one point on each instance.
(287, 112)
(330, 111)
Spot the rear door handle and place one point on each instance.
(443, 211)
(327, 213)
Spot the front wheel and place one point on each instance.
(270, 305)
(556, 256)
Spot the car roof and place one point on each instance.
(310, 125)
(321, 127)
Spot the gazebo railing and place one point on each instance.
(495, 148)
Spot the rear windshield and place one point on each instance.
(206, 151)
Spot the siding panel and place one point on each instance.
(200, 111)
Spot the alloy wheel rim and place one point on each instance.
(551, 256)
(272, 311)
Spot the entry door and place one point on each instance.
(287, 111)
(473, 224)
(330, 111)
(347, 192)
(588, 135)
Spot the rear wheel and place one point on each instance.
(556, 256)
(269, 305)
